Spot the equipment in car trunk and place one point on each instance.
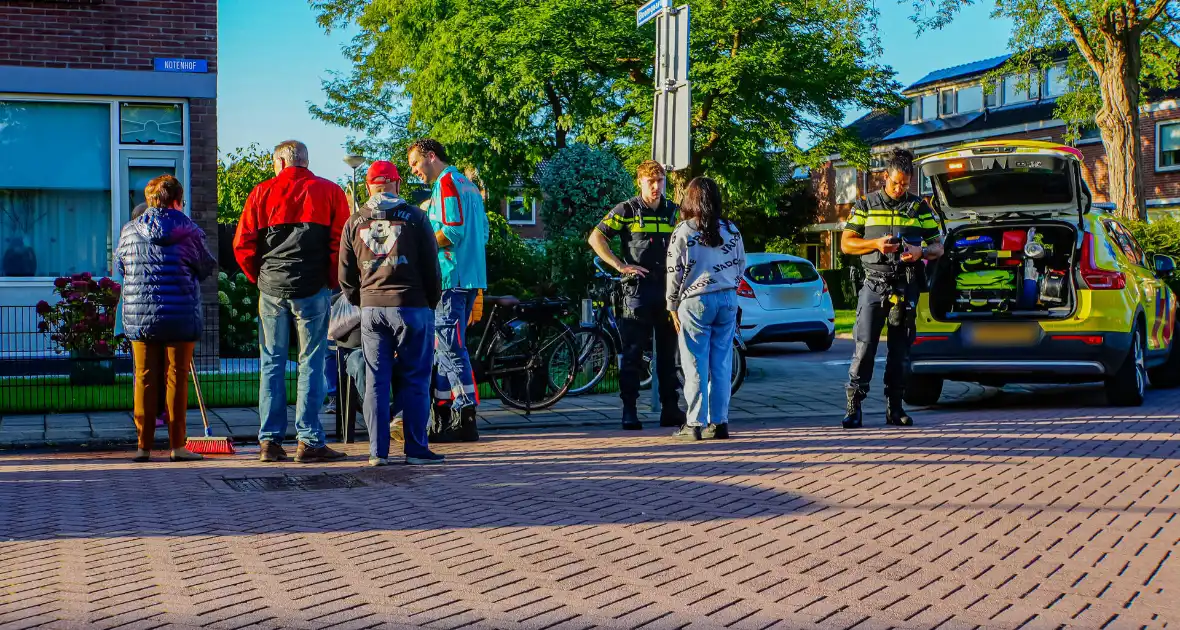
(1053, 288)
(1013, 240)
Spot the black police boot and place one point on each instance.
(896, 416)
(672, 416)
(853, 418)
(631, 419)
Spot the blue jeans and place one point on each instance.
(310, 316)
(707, 325)
(397, 344)
(455, 380)
(354, 366)
(330, 370)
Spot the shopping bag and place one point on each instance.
(344, 318)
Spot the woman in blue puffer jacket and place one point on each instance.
(162, 257)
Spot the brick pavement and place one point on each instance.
(783, 382)
(1019, 515)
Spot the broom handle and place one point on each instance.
(200, 399)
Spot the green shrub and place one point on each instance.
(1161, 236)
(237, 299)
(514, 266)
(579, 186)
(841, 287)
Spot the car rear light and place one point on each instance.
(825, 283)
(924, 338)
(1089, 340)
(743, 289)
(1095, 278)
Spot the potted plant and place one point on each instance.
(82, 323)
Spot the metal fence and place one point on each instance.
(35, 377)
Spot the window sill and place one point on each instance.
(523, 223)
(1167, 169)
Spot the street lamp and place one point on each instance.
(354, 161)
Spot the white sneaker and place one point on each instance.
(378, 461)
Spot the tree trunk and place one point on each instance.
(1118, 120)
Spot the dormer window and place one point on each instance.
(946, 102)
(929, 106)
(1018, 89)
(1056, 81)
(969, 99)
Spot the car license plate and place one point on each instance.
(1002, 334)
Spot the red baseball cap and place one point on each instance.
(381, 172)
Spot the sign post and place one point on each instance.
(671, 135)
(672, 109)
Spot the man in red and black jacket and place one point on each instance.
(288, 243)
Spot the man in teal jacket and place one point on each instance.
(461, 227)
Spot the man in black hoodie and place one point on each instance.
(389, 268)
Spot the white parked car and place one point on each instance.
(783, 298)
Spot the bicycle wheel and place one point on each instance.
(534, 372)
(595, 353)
(739, 368)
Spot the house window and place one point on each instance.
(930, 106)
(151, 123)
(522, 210)
(1056, 82)
(946, 102)
(916, 109)
(1013, 93)
(1018, 89)
(845, 185)
(992, 99)
(1168, 140)
(1089, 135)
(55, 188)
(970, 99)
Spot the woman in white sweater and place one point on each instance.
(705, 262)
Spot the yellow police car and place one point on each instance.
(1036, 286)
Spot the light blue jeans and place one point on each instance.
(707, 325)
(310, 317)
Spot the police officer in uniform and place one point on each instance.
(892, 230)
(644, 223)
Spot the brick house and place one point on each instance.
(948, 107)
(96, 98)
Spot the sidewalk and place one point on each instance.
(807, 392)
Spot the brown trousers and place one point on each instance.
(161, 366)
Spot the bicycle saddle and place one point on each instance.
(500, 300)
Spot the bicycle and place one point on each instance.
(528, 357)
(600, 341)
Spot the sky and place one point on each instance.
(267, 76)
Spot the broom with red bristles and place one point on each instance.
(207, 445)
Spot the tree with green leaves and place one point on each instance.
(237, 174)
(506, 83)
(1119, 49)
